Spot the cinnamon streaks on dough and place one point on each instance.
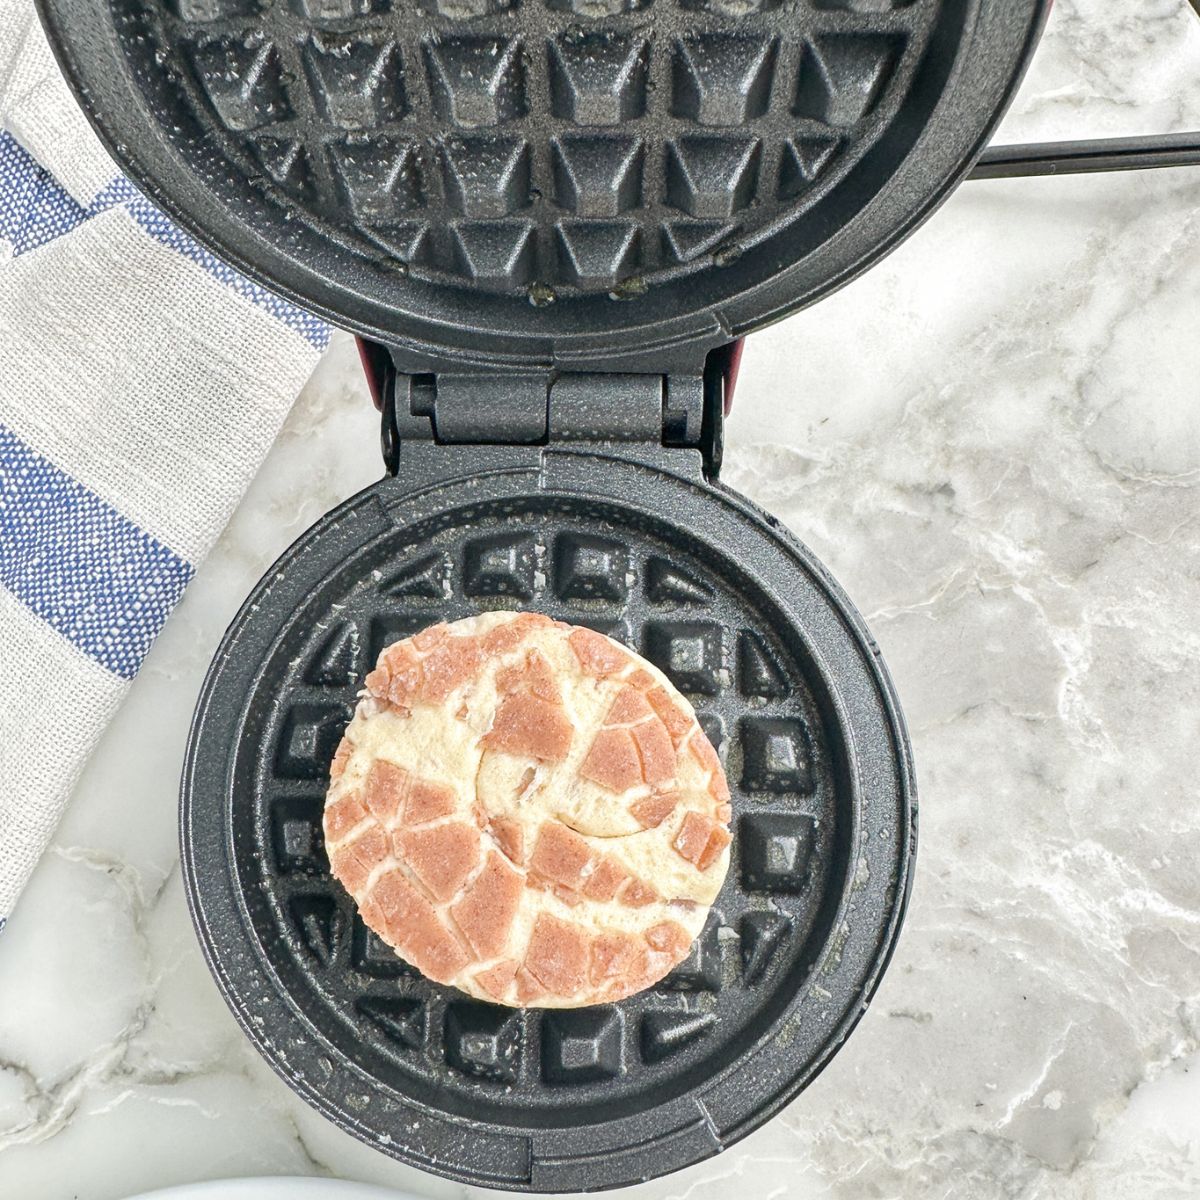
(528, 811)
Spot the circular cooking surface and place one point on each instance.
(522, 179)
(786, 686)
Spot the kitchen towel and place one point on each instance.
(141, 383)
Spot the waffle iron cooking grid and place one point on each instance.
(787, 686)
(419, 170)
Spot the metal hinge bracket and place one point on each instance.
(547, 408)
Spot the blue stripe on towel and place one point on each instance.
(35, 209)
(34, 206)
(86, 570)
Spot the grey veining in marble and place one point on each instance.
(994, 441)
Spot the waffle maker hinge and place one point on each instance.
(646, 412)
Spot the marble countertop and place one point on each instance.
(994, 441)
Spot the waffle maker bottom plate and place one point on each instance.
(788, 685)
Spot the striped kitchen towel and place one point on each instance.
(141, 383)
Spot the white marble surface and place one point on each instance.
(994, 441)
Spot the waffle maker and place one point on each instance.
(552, 219)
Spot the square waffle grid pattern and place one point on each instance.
(546, 145)
(772, 916)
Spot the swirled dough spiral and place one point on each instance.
(528, 811)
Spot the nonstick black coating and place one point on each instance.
(546, 180)
(786, 682)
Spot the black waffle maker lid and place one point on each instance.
(554, 214)
(546, 181)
